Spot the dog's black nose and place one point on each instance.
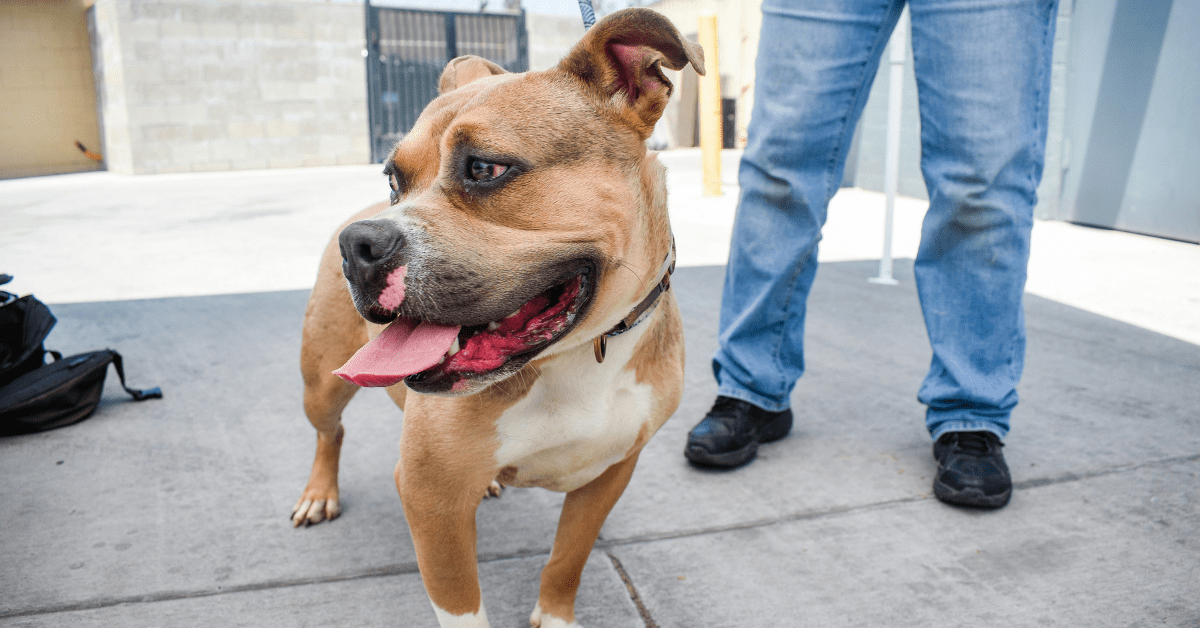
(367, 245)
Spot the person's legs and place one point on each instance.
(816, 62)
(983, 72)
(983, 77)
(815, 65)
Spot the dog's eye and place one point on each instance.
(485, 171)
(394, 183)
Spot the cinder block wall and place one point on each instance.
(202, 85)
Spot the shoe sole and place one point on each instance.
(724, 460)
(970, 497)
(774, 431)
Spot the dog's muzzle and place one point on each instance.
(369, 251)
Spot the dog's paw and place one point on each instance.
(539, 620)
(315, 507)
(493, 490)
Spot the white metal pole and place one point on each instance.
(891, 172)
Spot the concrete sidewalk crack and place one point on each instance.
(166, 596)
(633, 592)
(758, 523)
(1096, 473)
(849, 510)
(602, 544)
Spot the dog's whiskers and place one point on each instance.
(625, 265)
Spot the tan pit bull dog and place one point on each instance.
(517, 285)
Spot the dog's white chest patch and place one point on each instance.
(577, 420)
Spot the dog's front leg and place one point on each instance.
(583, 513)
(440, 509)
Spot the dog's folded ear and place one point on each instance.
(464, 69)
(620, 57)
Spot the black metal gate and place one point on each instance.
(407, 49)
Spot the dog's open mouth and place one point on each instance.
(432, 357)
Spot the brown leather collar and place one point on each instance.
(642, 310)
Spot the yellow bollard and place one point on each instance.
(710, 107)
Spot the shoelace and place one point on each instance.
(975, 443)
(726, 408)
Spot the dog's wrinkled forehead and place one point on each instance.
(555, 152)
(523, 121)
(600, 103)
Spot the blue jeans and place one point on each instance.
(983, 78)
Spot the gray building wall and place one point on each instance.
(864, 161)
(1132, 139)
(1123, 145)
(864, 164)
(199, 85)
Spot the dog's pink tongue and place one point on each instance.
(404, 347)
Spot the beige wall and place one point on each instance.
(202, 85)
(738, 23)
(47, 96)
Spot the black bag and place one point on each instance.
(24, 324)
(35, 396)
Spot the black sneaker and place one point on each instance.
(729, 435)
(971, 470)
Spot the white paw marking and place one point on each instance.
(537, 619)
(477, 619)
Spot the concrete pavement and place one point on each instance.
(174, 512)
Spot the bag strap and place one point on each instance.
(137, 394)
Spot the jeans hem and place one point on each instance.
(749, 397)
(968, 425)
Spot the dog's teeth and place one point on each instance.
(442, 360)
(513, 314)
(492, 326)
(453, 348)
